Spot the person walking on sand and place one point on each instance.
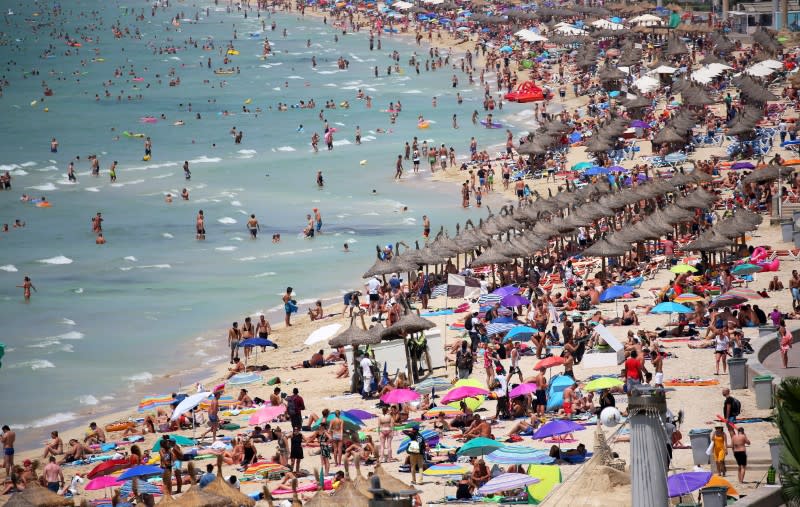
(253, 227)
(337, 435)
(386, 429)
(296, 449)
(785, 338)
(7, 438)
(719, 449)
(213, 416)
(289, 306)
(234, 337)
(739, 443)
(26, 287)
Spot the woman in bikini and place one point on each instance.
(337, 435)
(386, 430)
(248, 331)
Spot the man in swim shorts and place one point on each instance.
(95, 435)
(318, 219)
(426, 227)
(213, 416)
(7, 438)
(253, 227)
(201, 225)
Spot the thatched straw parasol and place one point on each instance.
(489, 257)
(604, 248)
(389, 482)
(769, 173)
(408, 324)
(668, 135)
(37, 496)
(354, 336)
(197, 497)
(221, 487)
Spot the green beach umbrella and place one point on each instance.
(601, 383)
(350, 424)
(479, 447)
(746, 269)
(177, 439)
(683, 268)
(581, 165)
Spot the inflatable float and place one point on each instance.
(525, 92)
(148, 119)
(492, 125)
(248, 101)
(224, 72)
(138, 79)
(146, 158)
(132, 134)
(423, 124)
(233, 52)
(120, 426)
(43, 204)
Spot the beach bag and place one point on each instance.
(464, 360)
(413, 447)
(736, 407)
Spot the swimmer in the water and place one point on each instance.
(346, 248)
(185, 194)
(300, 128)
(168, 198)
(100, 240)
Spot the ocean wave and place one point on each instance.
(59, 259)
(88, 399)
(226, 220)
(149, 266)
(247, 152)
(52, 420)
(245, 259)
(267, 273)
(67, 347)
(72, 335)
(286, 148)
(33, 364)
(226, 248)
(130, 258)
(47, 187)
(47, 169)
(68, 322)
(202, 159)
(214, 359)
(9, 167)
(92, 189)
(44, 344)
(237, 238)
(163, 176)
(144, 377)
(27, 164)
(18, 172)
(341, 142)
(151, 166)
(296, 77)
(167, 235)
(9, 268)
(236, 203)
(79, 290)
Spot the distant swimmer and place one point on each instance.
(168, 199)
(100, 240)
(346, 248)
(318, 219)
(185, 194)
(112, 172)
(148, 148)
(201, 226)
(253, 226)
(71, 173)
(300, 128)
(320, 180)
(186, 172)
(53, 145)
(26, 287)
(308, 232)
(426, 227)
(97, 222)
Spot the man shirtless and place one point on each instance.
(213, 416)
(569, 398)
(253, 226)
(541, 392)
(201, 225)
(53, 475)
(479, 428)
(7, 438)
(238, 367)
(234, 338)
(75, 452)
(54, 447)
(96, 435)
(658, 366)
(739, 441)
(629, 317)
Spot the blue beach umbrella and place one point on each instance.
(670, 307)
(140, 471)
(506, 49)
(520, 333)
(614, 93)
(614, 292)
(257, 342)
(596, 171)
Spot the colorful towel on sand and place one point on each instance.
(152, 402)
(265, 468)
(695, 382)
(302, 488)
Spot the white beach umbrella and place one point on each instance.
(759, 70)
(570, 30)
(772, 64)
(189, 403)
(646, 20)
(608, 25)
(719, 67)
(646, 84)
(703, 75)
(401, 5)
(663, 69)
(323, 334)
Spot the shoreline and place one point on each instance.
(123, 406)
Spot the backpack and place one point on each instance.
(468, 324)
(736, 407)
(464, 360)
(413, 447)
(291, 405)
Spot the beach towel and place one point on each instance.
(302, 488)
(691, 382)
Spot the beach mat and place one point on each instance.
(691, 382)
(548, 475)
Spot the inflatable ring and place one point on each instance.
(423, 124)
(759, 254)
(120, 426)
(146, 158)
(44, 204)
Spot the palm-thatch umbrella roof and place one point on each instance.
(490, 256)
(668, 135)
(37, 496)
(347, 494)
(676, 47)
(222, 488)
(381, 267)
(408, 324)
(697, 97)
(354, 336)
(389, 482)
(197, 497)
(604, 248)
(638, 102)
(609, 73)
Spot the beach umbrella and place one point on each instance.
(431, 383)
(549, 362)
(107, 467)
(519, 455)
(670, 307)
(520, 333)
(556, 428)
(614, 292)
(601, 383)
(188, 404)
(105, 481)
(266, 414)
(513, 300)
(507, 482)
(686, 482)
(175, 439)
(256, 342)
(726, 301)
(743, 292)
(354, 336)
(687, 297)
(497, 328)
(445, 470)
(447, 410)
(523, 389)
(506, 291)
(471, 403)
(479, 446)
(746, 269)
(683, 268)
(597, 171)
(34, 495)
(430, 436)
(323, 334)
(140, 471)
(460, 393)
(396, 396)
(220, 487)
(408, 324)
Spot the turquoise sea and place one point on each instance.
(107, 321)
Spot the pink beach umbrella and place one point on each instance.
(522, 390)
(460, 393)
(399, 396)
(106, 481)
(266, 414)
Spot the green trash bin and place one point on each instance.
(763, 387)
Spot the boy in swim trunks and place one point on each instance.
(8, 437)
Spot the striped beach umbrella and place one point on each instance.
(152, 402)
(493, 329)
(489, 299)
(688, 297)
(447, 410)
(142, 487)
(507, 482)
(446, 469)
(431, 383)
(520, 455)
(744, 292)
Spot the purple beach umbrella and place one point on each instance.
(505, 291)
(639, 124)
(685, 483)
(617, 169)
(742, 165)
(557, 427)
(360, 414)
(514, 300)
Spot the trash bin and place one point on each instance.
(796, 238)
(763, 387)
(737, 372)
(715, 496)
(787, 229)
(775, 448)
(700, 439)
